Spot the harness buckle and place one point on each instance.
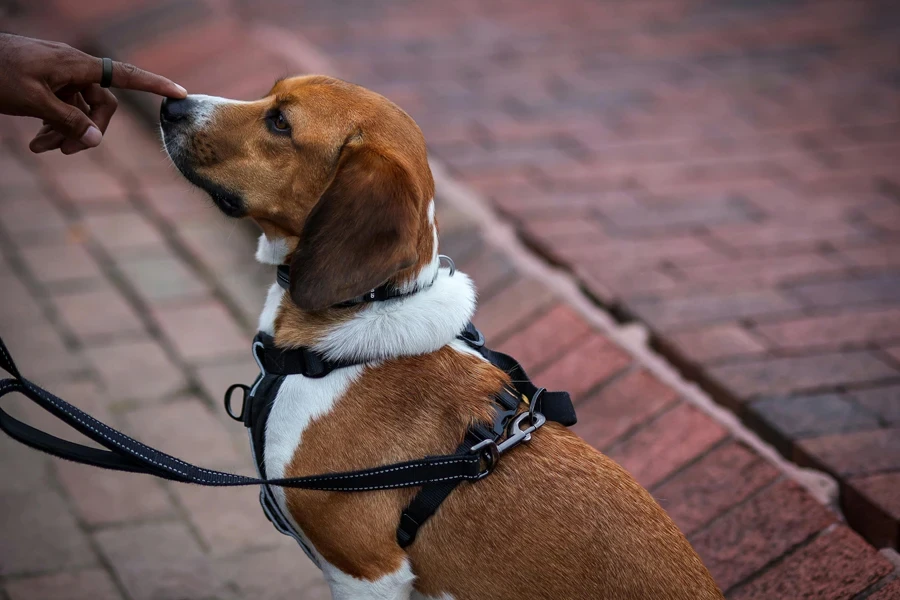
(491, 451)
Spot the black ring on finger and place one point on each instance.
(106, 77)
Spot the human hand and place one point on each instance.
(61, 86)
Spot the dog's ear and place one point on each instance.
(362, 231)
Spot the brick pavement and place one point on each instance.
(115, 229)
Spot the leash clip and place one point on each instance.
(491, 451)
(229, 409)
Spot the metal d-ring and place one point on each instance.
(450, 262)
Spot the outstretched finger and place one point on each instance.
(130, 77)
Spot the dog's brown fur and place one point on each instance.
(557, 519)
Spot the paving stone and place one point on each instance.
(102, 497)
(160, 278)
(275, 575)
(797, 374)
(889, 592)
(228, 520)
(136, 370)
(881, 401)
(545, 337)
(837, 564)
(870, 290)
(720, 480)
(856, 328)
(122, 230)
(511, 308)
(41, 534)
(201, 331)
(87, 584)
(98, 315)
(873, 507)
(215, 379)
(855, 453)
(800, 417)
(673, 313)
(186, 429)
(667, 443)
(161, 560)
(39, 350)
(591, 362)
(623, 405)
(56, 262)
(32, 220)
(715, 343)
(745, 539)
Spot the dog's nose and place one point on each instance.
(173, 109)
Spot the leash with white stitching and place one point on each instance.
(127, 454)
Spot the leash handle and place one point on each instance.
(128, 454)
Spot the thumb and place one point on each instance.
(70, 121)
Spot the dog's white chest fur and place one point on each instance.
(422, 323)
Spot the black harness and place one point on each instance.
(520, 411)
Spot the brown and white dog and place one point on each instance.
(338, 179)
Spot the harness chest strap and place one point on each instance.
(437, 475)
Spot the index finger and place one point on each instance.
(129, 77)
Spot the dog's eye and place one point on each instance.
(278, 123)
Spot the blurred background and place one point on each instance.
(722, 176)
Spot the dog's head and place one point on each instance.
(334, 172)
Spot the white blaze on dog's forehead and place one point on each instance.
(271, 252)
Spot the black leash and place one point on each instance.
(127, 454)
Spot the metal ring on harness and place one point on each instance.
(450, 263)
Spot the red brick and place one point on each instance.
(489, 270)
(679, 312)
(853, 328)
(161, 277)
(856, 453)
(236, 523)
(847, 292)
(136, 370)
(667, 443)
(765, 272)
(795, 374)
(545, 337)
(87, 584)
(837, 564)
(275, 574)
(747, 538)
(92, 187)
(885, 256)
(215, 379)
(511, 308)
(98, 314)
(202, 331)
(161, 560)
(591, 362)
(178, 201)
(715, 343)
(872, 507)
(786, 236)
(102, 497)
(187, 429)
(35, 344)
(722, 479)
(881, 401)
(889, 592)
(122, 230)
(41, 534)
(60, 262)
(623, 405)
(808, 416)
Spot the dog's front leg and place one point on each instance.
(393, 586)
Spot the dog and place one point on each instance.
(337, 178)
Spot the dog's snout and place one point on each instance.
(174, 110)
